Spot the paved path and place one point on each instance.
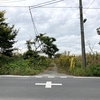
(52, 72)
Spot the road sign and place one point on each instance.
(48, 84)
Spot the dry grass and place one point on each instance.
(92, 65)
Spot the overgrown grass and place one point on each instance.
(63, 63)
(92, 62)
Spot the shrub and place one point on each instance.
(20, 66)
(15, 67)
(92, 71)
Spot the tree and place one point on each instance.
(46, 44)
(57, 55)
(7, 36)
(42, 44)
(29, 53)
(91, 47)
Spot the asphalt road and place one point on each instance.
(49, 88)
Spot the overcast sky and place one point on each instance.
(57, 20)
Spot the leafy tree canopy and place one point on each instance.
(47, 45)
(42, 44)
(7, 36)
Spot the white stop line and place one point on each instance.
(48, 84)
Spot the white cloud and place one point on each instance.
(61, 23)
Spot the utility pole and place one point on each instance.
(82, 35)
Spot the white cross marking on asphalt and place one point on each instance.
(48, 84)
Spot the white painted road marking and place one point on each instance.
(38, 76)
(43, 76)
(78, 77)
(51, 77)
(63, 76)
(48, 84)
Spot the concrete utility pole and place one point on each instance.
(82, 34)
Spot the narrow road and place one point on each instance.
(52, 72)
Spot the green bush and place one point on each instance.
(19, 66)
(77, 71)
(30, 71)
(15, 67)
(89, 71)
(92, 71)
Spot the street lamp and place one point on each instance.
(98, 31)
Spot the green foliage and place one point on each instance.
(92, 69)
(14, 67)
(28, 54)
(57, 55)
(19, 66)
(42, 44)
(89, 71)
(47, 45)
(78, 61)
(7, 36)
(77, 71)
(32, 62)
(2, 16)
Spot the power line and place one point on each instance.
(89, 5)
(40, 5)
(59, 7)
(34, 26)
(9, 1)
(16, 6)
(36, 6)
(52, 7)
(45, 3)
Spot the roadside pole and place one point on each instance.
(82, 35)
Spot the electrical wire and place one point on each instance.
(59, 7)
(89, 6)
(45, 3)
(35, 6)
(48, 3)
(40, 5)
(10, 1)
(52, 7)
(34, 26)
(35, 29)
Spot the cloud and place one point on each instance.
(60, 23)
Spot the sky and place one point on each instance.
(60, 20)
